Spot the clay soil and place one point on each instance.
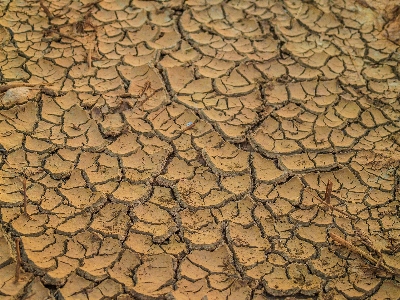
(199, 149)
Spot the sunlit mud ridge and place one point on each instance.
(199, 150)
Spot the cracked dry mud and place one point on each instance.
(176, 149)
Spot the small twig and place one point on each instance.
(46, 10)
(160, 112)
(147, 85)
(18, 262)
(363, 254)
(25, 198)
(89, 58)
(333, 207)
(328, 192)
(125, 95)
(189, 125)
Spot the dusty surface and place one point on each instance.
(176, 150)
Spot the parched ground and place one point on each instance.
(199, 149)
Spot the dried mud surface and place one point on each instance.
(176, 150)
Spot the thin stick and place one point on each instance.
(46, 10)
(328, 192)
(333, 208)
(364, 254)
(25, 198)
(146, 86)
(89, 58)
(159, 112)
(125, 95)
(18, 262)
(189, 126)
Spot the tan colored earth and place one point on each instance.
(184, 149)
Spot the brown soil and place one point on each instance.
(199, 149)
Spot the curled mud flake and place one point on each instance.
(309, 284)
(150, 219)
(42, 251)
(227, 159)
(238, 185)
(131, 194)
(191, 289)
(177, 169)
(112, 125)
(296, 250)
(75, 224)
(30, 225)
(194, 223)
(124, 144)
(328, 264)
(278, 284)
(265, 169)
(65, 266)
(155, 275)
(313, 234)
(95, 268)
(107, 288)
(112, 220)
(75, 284)
(191, 271)
(388, 289)
(58, 167)
(214, 261)
(123, 268)
(239, 212)
(141, 243)
(36, 288)
(248, 244)
(141, 166)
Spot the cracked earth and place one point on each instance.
(199, 149)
